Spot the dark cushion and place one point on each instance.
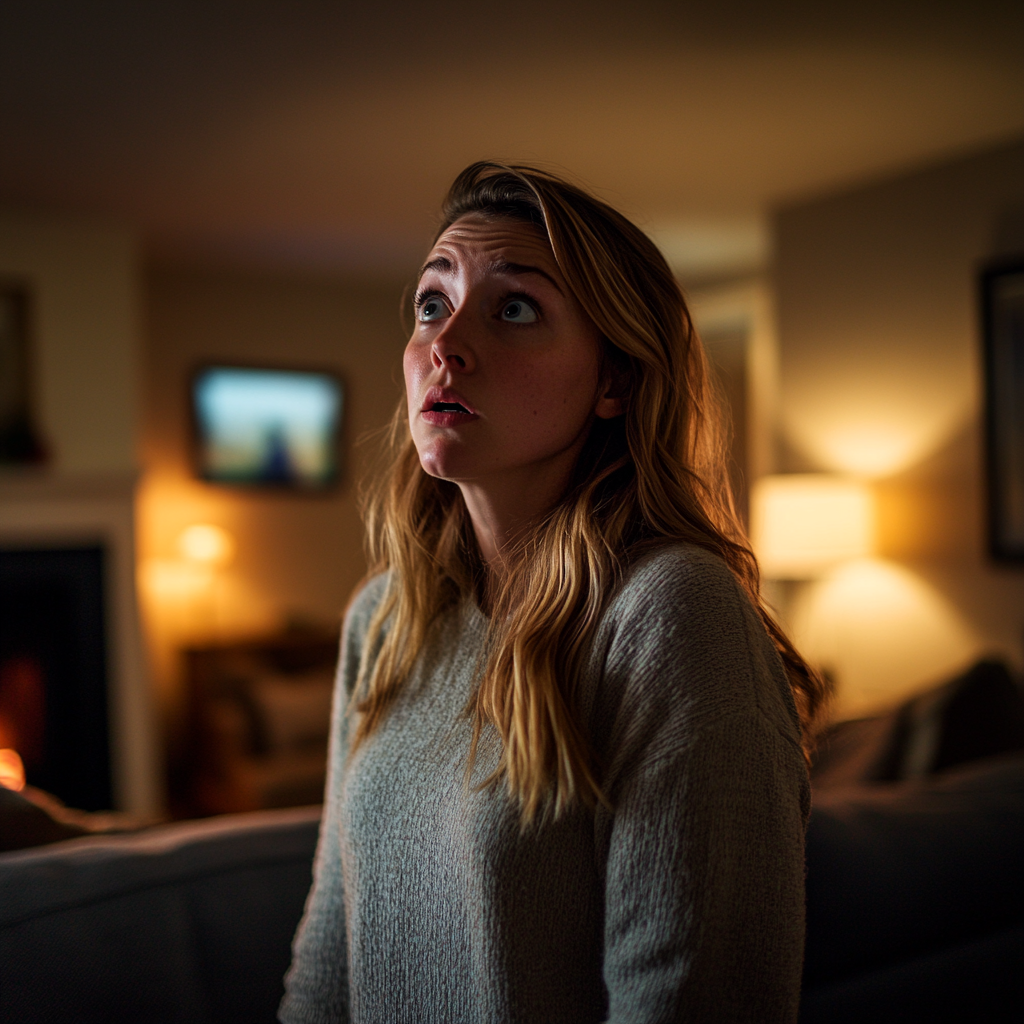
(979, 980)
(180, 924)
(900, 871)
(977, 714)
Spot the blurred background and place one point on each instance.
(187, 186)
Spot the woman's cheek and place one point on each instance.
(412, 369)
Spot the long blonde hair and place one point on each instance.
(654, 475)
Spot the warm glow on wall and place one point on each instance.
(169, 580)
(865, 430)
(803, 524)
(882, 630)
(194, 572)
(206, 544)
(191, 593)
(871, 450)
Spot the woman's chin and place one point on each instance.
(442, 468)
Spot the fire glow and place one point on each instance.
(12, 771)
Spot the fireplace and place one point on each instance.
(53, 671)
(74, 694)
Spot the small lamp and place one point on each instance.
(206, 544)
(803, 524)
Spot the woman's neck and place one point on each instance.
(501, 511)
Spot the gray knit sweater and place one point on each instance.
(682, 904)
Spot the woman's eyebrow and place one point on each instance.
(441, 264)
(515, 269)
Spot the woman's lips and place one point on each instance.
(446, 415)
(443, 407)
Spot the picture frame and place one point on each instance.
(19, 440)
(1002, 315)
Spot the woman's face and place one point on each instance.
(503, 371)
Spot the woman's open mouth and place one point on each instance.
(447, 414)
(443, 408)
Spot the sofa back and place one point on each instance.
(189, 922)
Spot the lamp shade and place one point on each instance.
(803, 524)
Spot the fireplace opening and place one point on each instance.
(53, 671)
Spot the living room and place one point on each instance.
(205, 187)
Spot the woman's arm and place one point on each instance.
(704, 912)
(316, 985)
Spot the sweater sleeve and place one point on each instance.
(316, 985)
(704, 891)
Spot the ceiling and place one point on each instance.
(317, 134)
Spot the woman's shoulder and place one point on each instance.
(367, 594)
(682, 628)
(677, 575)
(364, 602)
(681, 600)
(365, 599)
(676, 554)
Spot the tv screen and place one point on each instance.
(267, 427)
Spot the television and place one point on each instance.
(261, 427)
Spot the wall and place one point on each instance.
(297, 556)
(83, 286)
(879, 356)
(736, 323)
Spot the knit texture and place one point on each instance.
(684, 903)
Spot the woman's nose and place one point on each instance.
(448, 351)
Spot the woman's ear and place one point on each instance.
(609, 406)
(611, 400)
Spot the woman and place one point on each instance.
(566, 778)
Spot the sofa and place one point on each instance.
(189, 922)
(915, 898)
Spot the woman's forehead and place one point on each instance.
(491, 240)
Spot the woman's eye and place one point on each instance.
(433, 308)
(518, 311)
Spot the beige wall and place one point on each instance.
(880, 377)
(82, 282)
(297, 555)
(83, 287)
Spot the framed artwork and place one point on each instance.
(266, 427)
(19, 442)
(1002, 303)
